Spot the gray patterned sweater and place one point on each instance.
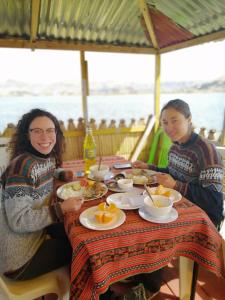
(198, 170)
(25, 209)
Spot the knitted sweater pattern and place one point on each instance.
(24, 210)
(198, 169)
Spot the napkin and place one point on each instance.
(136, 200)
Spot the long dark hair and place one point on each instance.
(20, 142)
(180, 106)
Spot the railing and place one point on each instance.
(110, 140)
(120, 140)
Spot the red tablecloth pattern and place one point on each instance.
(103, 257)
(137, 246)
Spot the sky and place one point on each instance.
(198, 63)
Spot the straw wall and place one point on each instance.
(110, 140)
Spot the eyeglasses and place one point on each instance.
(39, 131)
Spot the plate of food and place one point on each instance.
(102, 217)
(161, 190)
(88, 189)
(141, 176)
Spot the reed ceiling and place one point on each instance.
(130, 26)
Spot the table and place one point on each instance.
(103, 257)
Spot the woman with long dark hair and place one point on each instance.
(195, 167)
(33, 241)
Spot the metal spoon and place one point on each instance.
(149, 194)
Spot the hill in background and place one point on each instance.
(17, 88)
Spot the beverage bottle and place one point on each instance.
(89, 150)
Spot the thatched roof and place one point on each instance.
(132, 26)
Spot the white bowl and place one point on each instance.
(99, 173)
(161, 207)
(125, 184)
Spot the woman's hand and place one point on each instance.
(139, 165)
(66, 175)
(165, 180)
(71, 204)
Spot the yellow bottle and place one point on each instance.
(89, 150)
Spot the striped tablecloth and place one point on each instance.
(137, 246)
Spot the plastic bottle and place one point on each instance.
(89, 150)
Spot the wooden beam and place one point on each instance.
(157, 90)
(194, 42)
(65, 45)
(35, 12)
(143, 139)
(148, 21)
(84, 87)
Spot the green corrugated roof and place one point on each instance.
(108, 25)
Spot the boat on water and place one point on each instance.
(151, 27)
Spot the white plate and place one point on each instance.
(108, 176)
(172, 216)
(87, 219)
(175, 195)
(127, 200)
(80, 192)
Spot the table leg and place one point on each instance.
(186, 267)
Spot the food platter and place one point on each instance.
(141, 176)
(88, 220)
(89, 190)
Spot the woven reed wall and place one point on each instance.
(110, 140)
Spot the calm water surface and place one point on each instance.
(207, 109)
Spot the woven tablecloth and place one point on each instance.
(138, 246)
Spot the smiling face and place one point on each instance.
(42, 134)
(176, 125)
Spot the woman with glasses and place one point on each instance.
(33, 241)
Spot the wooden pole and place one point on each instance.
(139, 147)
(157, 90)
(84, 84)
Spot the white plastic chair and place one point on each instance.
(4, 154)
(57, 282)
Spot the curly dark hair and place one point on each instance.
(20, 142)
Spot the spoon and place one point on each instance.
(149, 194)
(99, 163)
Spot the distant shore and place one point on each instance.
(18, 89)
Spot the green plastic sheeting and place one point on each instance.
(165, 142)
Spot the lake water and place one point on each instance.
(207, 108)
